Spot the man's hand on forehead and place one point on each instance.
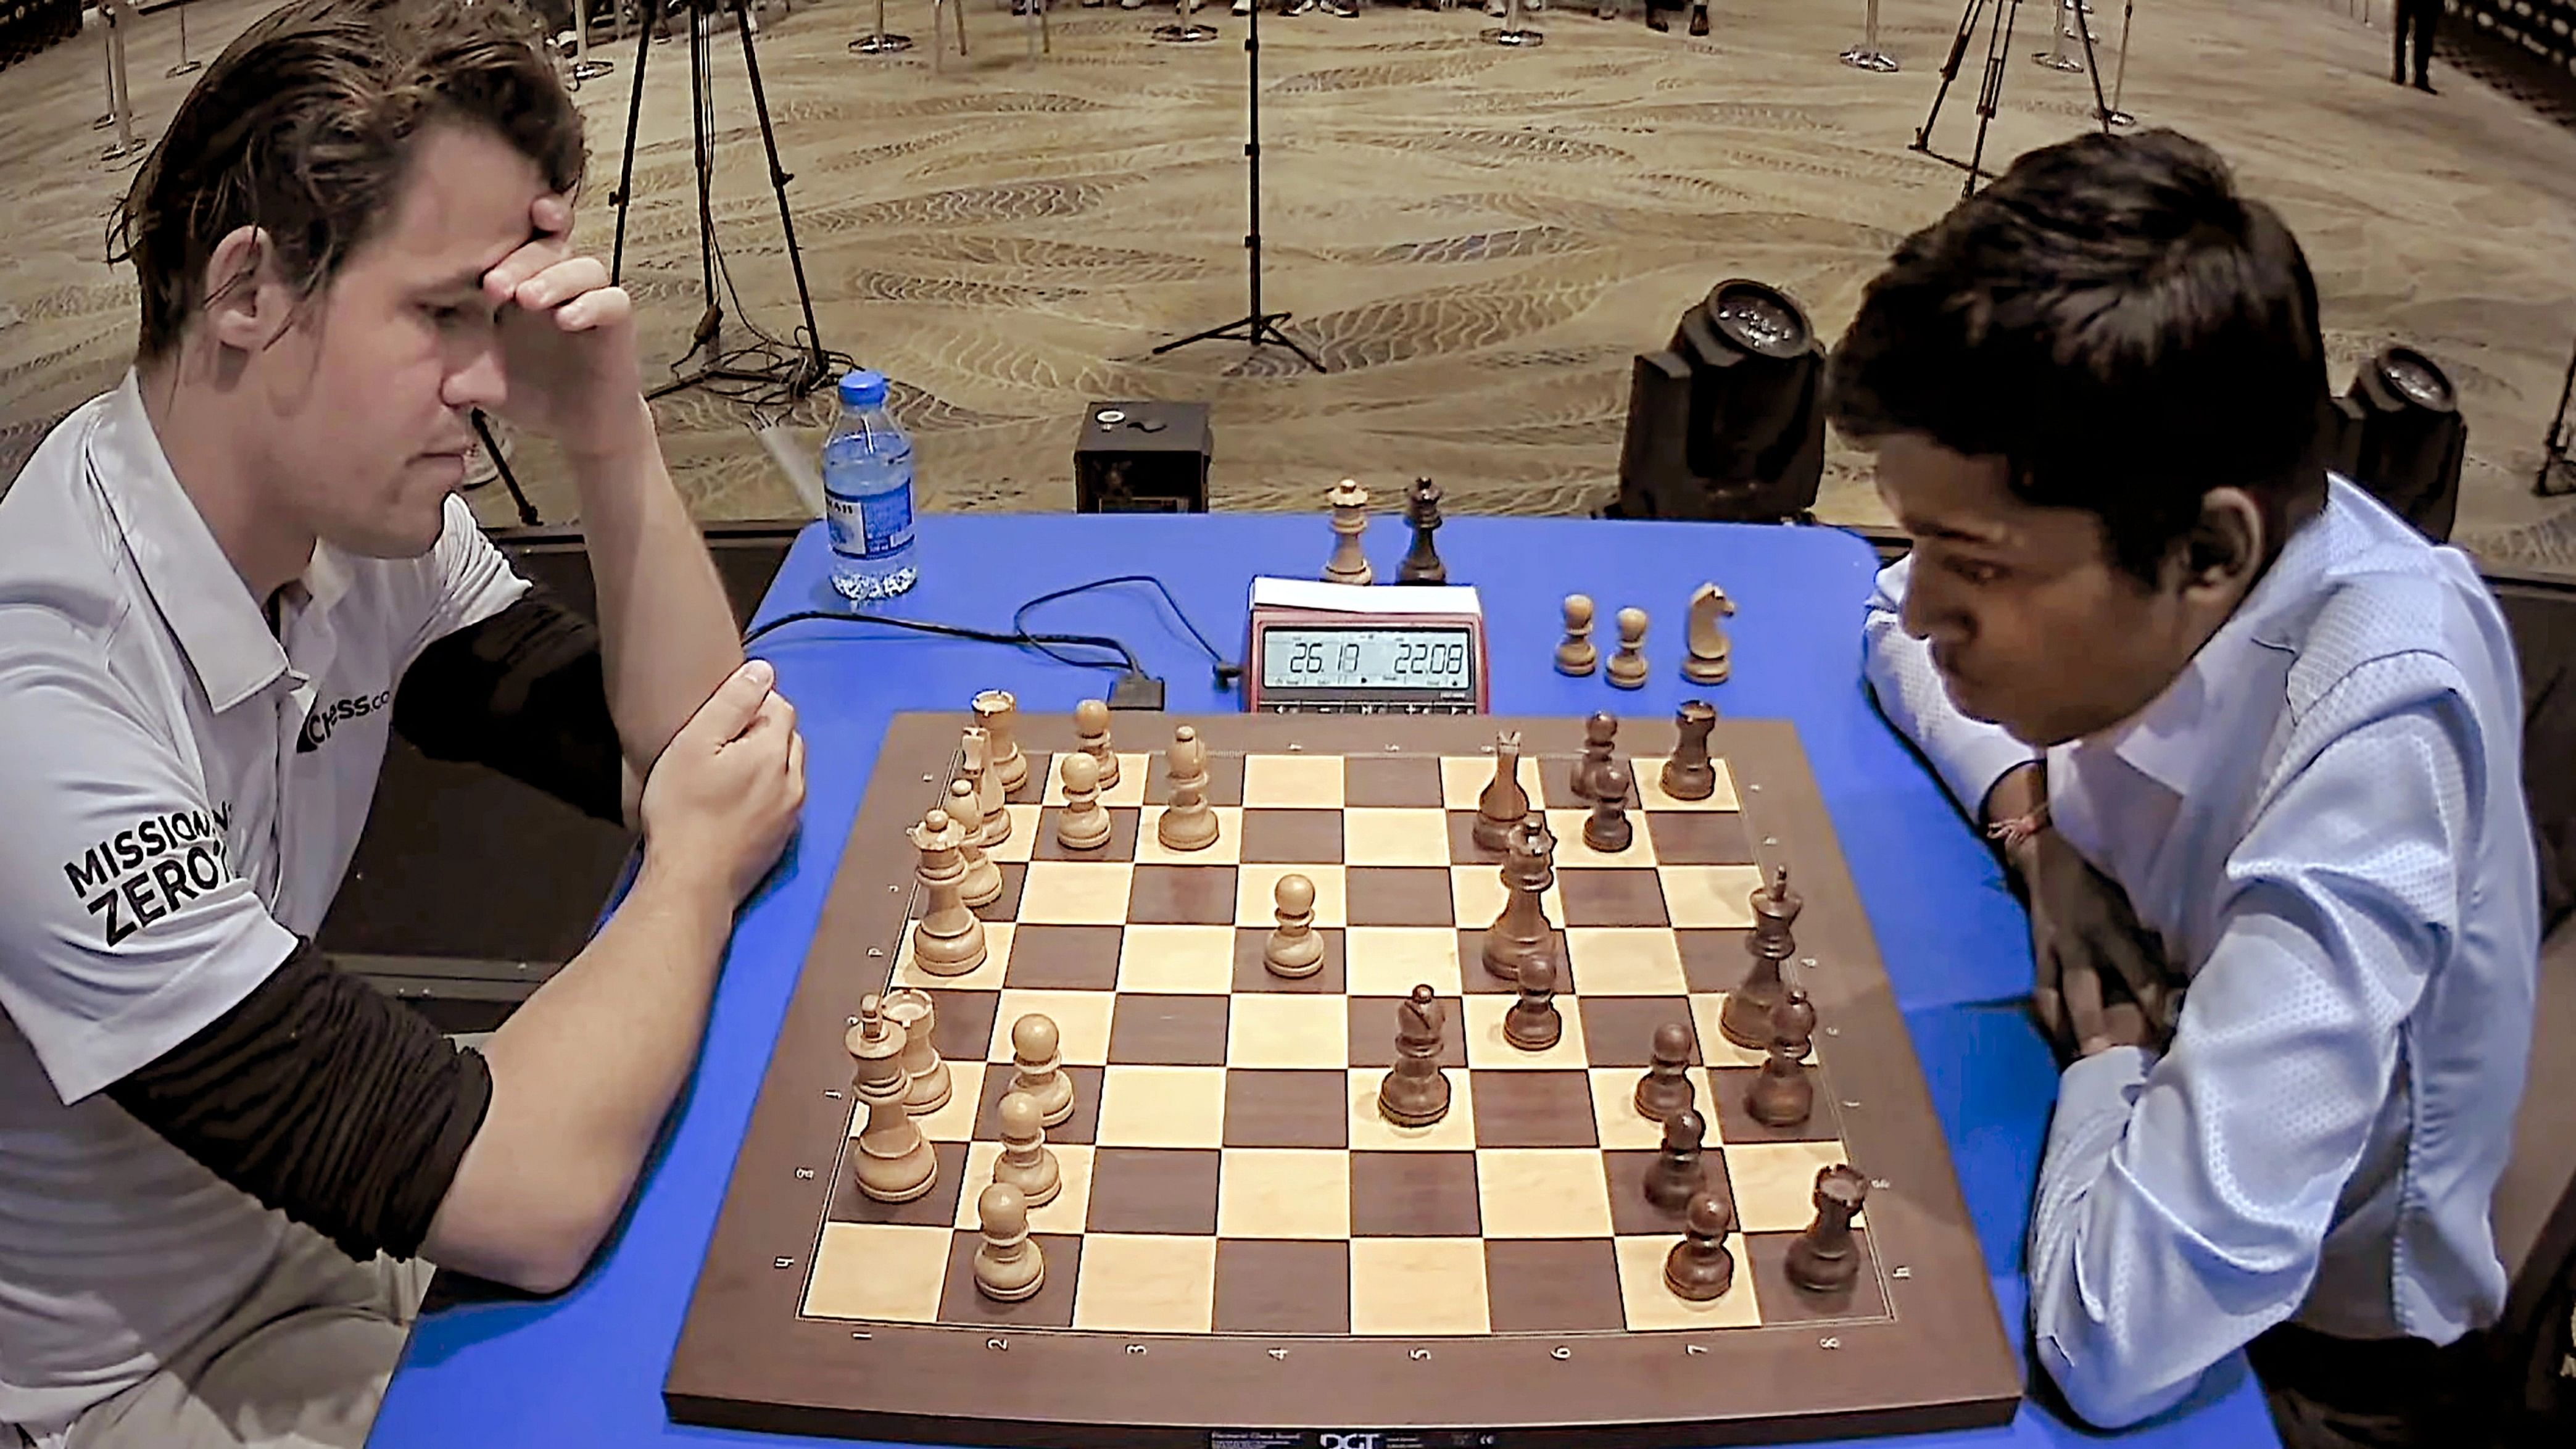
(576, 379)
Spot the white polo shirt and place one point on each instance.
(180, 793)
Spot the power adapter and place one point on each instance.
(1136, 690)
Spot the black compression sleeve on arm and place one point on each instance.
(525, 693)
(321, 1097)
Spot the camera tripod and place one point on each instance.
(1257, 327)
(2556, 448)
(794, 372)
(1999, 32)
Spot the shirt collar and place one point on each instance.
(2169, 740)
(200, 594)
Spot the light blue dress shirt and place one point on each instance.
(2322, 819)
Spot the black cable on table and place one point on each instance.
(1227, 672)
(1126, 660)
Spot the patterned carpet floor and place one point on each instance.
(1473, 239)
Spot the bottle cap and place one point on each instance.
(862, 388)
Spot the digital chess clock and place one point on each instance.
(1321, 648)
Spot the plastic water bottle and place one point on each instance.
(867, 489)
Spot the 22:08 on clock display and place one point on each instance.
(1364, 658)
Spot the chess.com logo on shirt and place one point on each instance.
(320, 723)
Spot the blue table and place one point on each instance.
(586, 1368)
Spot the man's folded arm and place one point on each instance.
(1969, 755)
(324, 1099)
(522, 692)
(2184, 1200)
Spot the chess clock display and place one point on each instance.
(1317, 648)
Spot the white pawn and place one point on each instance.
(1091, 736)
(983, 883)
(1038, 1068)
(1027, 1163)
(1082, 825)
(1187, 823)
(1008, 1264)
(1294, 950)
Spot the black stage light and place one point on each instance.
(2397, 431)
(1727, 422)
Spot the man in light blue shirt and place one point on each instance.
(2253, 747)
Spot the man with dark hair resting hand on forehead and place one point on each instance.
(2252, 747)
(225, 1165)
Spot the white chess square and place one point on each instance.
(1543, 1192)
(1284, 1030)
(1376, 836)
(1145, 1283)
(986, 976)
(1710, 896)
(1463, 779)
(1391, 960)
(1775, 1183)
(1130, 789)
(1650, 1306)
(1284, 1192)
(1650, 788)
(1625, 961)
(1292, 782)
(1162, 1107)
(1076, 893)
(1022, 840)
(1187, 960)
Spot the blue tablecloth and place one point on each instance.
(586, 1369)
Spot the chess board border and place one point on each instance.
(748, 1359)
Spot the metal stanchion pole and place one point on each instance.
(185, 65)
(583, 67)
(2120, 77)
(882, 41)
(2057, 57)
(107, 56)
(129, 147)
(1514, 30)
(1185, 28)
(1867, 55)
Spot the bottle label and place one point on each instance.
(877, 525)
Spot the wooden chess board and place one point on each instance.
(1245, 1255)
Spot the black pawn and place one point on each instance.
(1666, 1086)
(1824, 1258)
(1422, 563)
(1783, 1095)
(1607, 829)
(1699, 1267)
(1677, 1175)
(1533, 1024)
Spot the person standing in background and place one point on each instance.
(2416, 17)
